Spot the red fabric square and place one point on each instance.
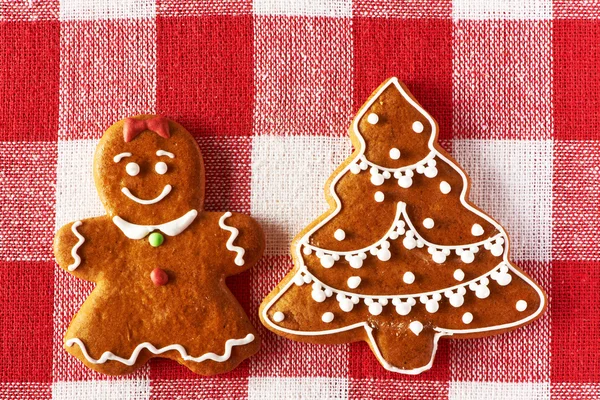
(502, 79)
(107, 73)
(575, 321)
(228, 172)
(417, 51)
(26, 296)
(576, 60)
(27, 197)
(303, 75)
(205, 73)
(29, 68)
(575, 207)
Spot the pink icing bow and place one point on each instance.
(134, 127)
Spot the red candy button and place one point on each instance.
(159, 277)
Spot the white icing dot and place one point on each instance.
(497, 250)
(459, 275)
(457, 300)
(409, 242)
(132, 169)
(377, 179)
(438, 257)
(353, 282)
(355, 262)
(408, 278)
(476, 230)
(432, 306)
(375, 308)
(384, 254)
(161, 168)
(482, 292)
(327, 261)
(307, 250)
(346, 305)
(394, 153)
(445, 187)
(327, 317)
(339, 235)
(355, 169)
(417, 126)
(428, 223)
(278, 316)
(403, 308)
(521, 305)
(467, 318)
(379, 197)
(416, 327)
(467, 257)
(373, 118)
(405, 182)
(319, 296)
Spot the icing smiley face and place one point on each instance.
(389, 140)
(147, 176)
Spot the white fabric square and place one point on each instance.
(499, 391)
(76, 196)
(306, 388)
(502, 9)
(288, 180)
(106, 9)
(308, 8)
(138, 389)
(512, 182)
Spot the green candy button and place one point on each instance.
(156, 239)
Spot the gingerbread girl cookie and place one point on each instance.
(158, 260)
(402, 257)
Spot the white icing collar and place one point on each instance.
(171, 228)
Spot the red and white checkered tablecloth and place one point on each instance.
(269, 88)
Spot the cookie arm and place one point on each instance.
(244, 242)
(69, 242)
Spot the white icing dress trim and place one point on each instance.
(331, 191)
(171, 228)
(109, 356)
(166, 190)
(239, 258)
(76, 258)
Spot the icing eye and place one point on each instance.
(161, 168)
(132, 169)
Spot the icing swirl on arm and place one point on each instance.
(76, 258)
(239, 258)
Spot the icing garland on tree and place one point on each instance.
(402, 257)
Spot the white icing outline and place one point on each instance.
(120, 156)
(239, 258)
(109, 356)
(76, 258)
(166, 190)
(165, 153)
(171, 228)
(359, 156)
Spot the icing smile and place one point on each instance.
(166, 190)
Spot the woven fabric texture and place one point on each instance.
(268, 88)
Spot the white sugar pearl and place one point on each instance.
(417, 126)
(432, 306)
(353, 282)
(459, 275)
(416, 327)
(394, 153)
(445, 187)
(375, 309)
(405, 182)
(327, 317)
(377, 179)
(346, 305)
(497, 250)
(467, 257)
(521, 305)
(384, 255)
(439, 257)
(408, 278)
(457, 300)
(467, 318)
(356, 262)
(132, 169)
(482, 292)
(428, 223)
(476, 230)
(278, 316)
(339, 235)
(161, 168)
(409, 242)
(373, 118)
(327, 261)
(379, 197)
(504, 279)
(319, 296)
(403, 308)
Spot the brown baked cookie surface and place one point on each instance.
(402, 258)
(158, 260)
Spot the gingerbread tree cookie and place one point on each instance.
(158, 260)
(402, 257)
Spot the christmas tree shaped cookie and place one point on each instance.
(402, 258)
(158, 260)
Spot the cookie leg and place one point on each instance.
(404, 351)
